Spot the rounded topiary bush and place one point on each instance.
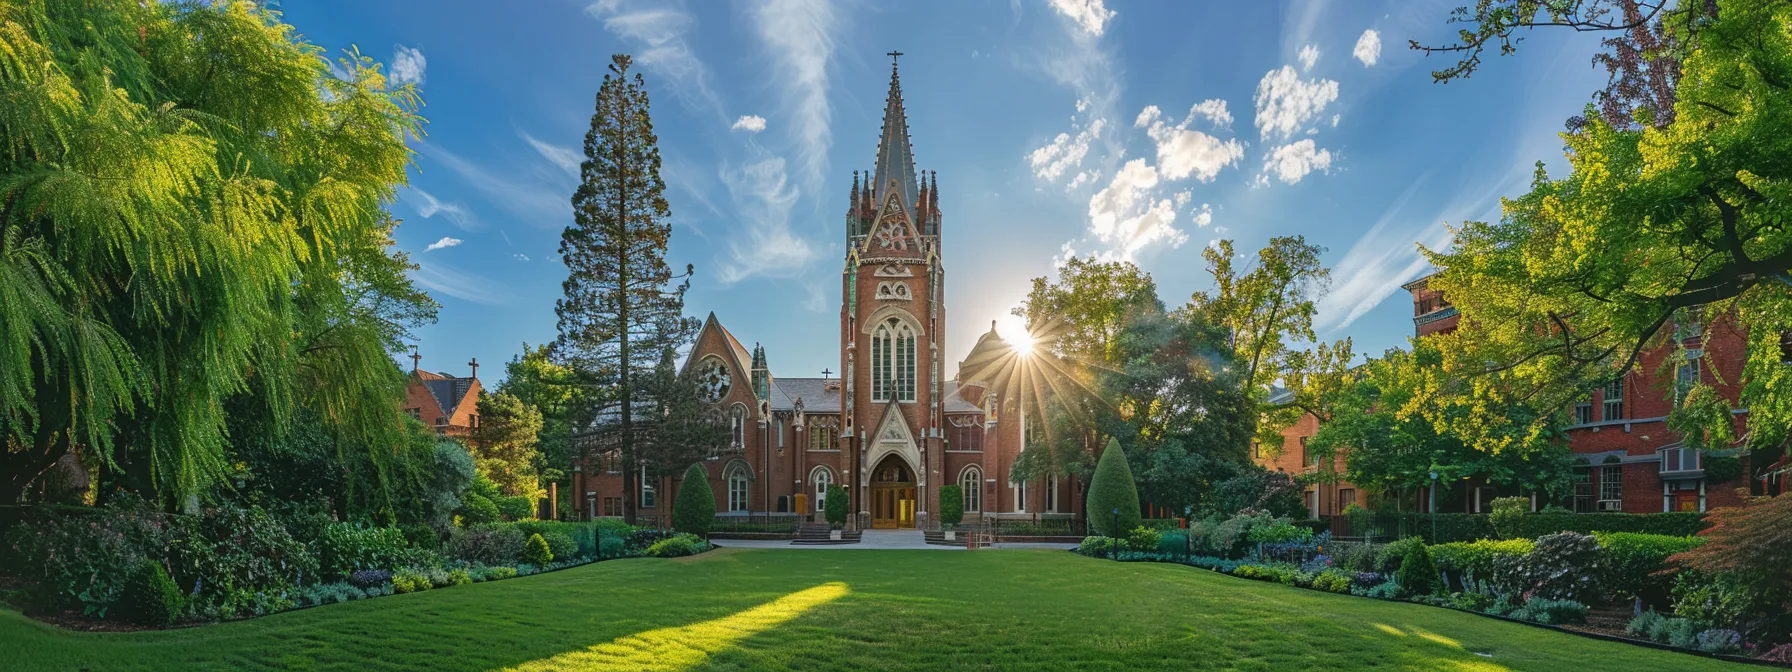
(150, 597)
(536, 551)
(1111, 489)
(1417, 575)
(951, 505)
(695, 509)
(837, 506)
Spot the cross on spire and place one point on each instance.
(416, 359)
(893, 56)
(474, 363)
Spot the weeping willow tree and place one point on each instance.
(192, 209)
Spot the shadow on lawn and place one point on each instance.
(687, 646)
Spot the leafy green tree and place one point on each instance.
(1655, 231)
(620, 310)
(1266, 307)
(695, 509)
(504, 444)
(837, 507)
(192, 210)
(1113, 499)
(951, 505)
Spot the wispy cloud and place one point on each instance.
(444, 242)
(750, 123)
(566, 158)
(801, 36)
(428, 206)
(540, 202)
(1381, 260)
(453, 281)
(763, 197)
(408, 65)
(660, 32)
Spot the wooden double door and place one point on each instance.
(892, 506)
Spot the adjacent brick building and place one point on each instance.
(443, 401)
(892, 428)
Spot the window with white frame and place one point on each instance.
(972, 483)
(647, 493)
(1614, 399)
(822, 478)
(1611, 483)
(737, 489)
(1051, 493)
(1680, 458)
(1020, 496)
(893, 361)
(1583, 411)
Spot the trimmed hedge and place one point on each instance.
(1112, 489)
(1632, 560)
(1462, 558)
(951, 505)
(695, 508)
(1451, 527)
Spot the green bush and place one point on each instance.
(1676, 524)
(1143, 539)
(695, 509)
(346, 547)
(150, 596)
(1353, 556)
(676, 546)
(500, 573)
(1551, 612)
(951, 505)
(1332, 581)
(1389, 556)
(1561, 566)
(1282, 575)
(476, 509)
(610, 547)
(459, 577)
(1097, 546)
(407, 581)
(1279, 532)
(1506, 514)
(1476, 558)
(495, 544)
(837, 506)
(1633, 561)
(561, 546)
(516, 508)
(537, 552)
(1112, 490)
(1173, 543)
(1417, 575)
(1441, 528)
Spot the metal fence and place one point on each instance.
(773, 523)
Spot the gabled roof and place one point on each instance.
(816, 396)
(449, 391)
(735, 349)
(955, 403)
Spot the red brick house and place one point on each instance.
(443, 401)
(892, 428)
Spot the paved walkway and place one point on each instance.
(874, 540)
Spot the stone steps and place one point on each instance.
(817, 533)
(938, 538)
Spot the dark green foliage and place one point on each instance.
(486, 544)
(837, 506)
(1173, 543)
(610, 547)
(150, 597)
(537, 552)
(1469, 526)
(1417, 575)
(1550, 612)
(1113, 496)
(1508, 512)
(1636, 564)
(695, 509)
(516, 508)
(1561, 566)
(1389, 556)
(346, 547)
(560, 545)
(951, 505)
(677, 546)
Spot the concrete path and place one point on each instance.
(875, 540)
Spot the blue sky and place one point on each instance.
(1141, 131)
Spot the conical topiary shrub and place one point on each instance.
(1111, 489)
(1418, 574)
(695, 509)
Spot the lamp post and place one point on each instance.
(1433, 508)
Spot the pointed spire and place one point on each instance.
(933, 200)
(761, 373)
(853, 212)
(895, 158)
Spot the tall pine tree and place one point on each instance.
(621, 309)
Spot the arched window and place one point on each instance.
(737, 427)
(824, 433)
(1051, 493)
(893, 361)
(822, 478)
(972, 482)
(737, 488)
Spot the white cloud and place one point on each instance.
(1205, 216)
(659, 37)
(520, 256)
(1215, 111)
(444, 242)
(408, 65)
(1335, 120)
(751, 123)
(801, 36)
(1125, 216)
(541, 202)
(1183, 197)
(1090, 14)
(566, 158)
(1308, 56)
(1064, 152)
(763, 198)
(443, 278)
(1291, 162)
(1368, 48)
(1285, 103)
(428, 206)
(1182, 152)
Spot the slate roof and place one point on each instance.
(955, 403)
(448, 390)
(816, 398)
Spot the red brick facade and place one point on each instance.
(443, 401)
(892, 428)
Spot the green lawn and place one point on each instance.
(773, 609)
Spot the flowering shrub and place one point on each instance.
(1560, 566)
(369, 578)
(1719, 640)
(83, 561)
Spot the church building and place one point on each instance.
(892, 428)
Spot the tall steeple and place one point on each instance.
(895, 159)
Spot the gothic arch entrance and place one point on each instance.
(892, 494)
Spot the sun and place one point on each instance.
(1013, 329)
